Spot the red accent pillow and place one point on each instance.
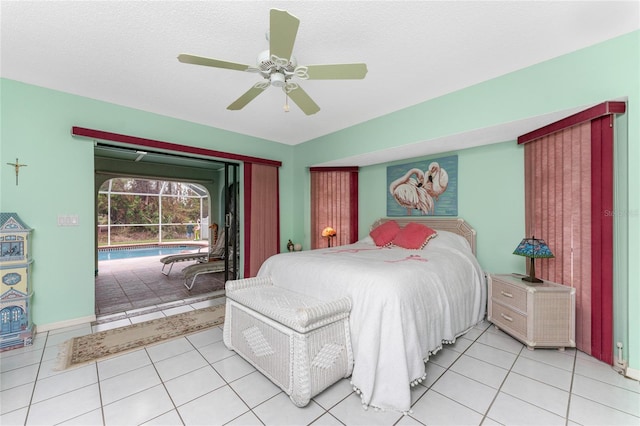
(414, 236)
(384, 234)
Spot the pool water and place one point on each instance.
(120, 253)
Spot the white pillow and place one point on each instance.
(446, 239)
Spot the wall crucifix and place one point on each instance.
(17, 166)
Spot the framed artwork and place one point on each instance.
(428, 187)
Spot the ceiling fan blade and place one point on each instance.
(247, 97)
(304, 101)
(337, 71)
(283, 28)
(209, 62)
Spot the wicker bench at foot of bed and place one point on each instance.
(300, 343)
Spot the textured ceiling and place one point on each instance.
(124, 52)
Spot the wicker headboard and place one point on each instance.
(456, 225)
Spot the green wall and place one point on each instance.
(36, 125)
(490, 197)
(491, 178)
(59, 179)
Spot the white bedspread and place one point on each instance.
(406, 303)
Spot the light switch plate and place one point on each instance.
(68, 220)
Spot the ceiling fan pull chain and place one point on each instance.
(286, 101)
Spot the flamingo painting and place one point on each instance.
(411, 193)
(423, 187)
(437, 180)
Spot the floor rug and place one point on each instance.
(104, 344)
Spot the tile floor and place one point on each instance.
(485, 378)
(126, 284)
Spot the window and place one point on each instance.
(334, 203)
(568, 194)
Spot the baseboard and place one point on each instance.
(632, 373)
(67, 323)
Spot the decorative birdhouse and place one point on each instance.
(16, 328)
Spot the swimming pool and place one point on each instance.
(131, 252)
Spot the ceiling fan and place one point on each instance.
(278, 67)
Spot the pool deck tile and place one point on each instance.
(137, 284)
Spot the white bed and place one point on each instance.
(405, 303)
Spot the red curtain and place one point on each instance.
(569, 203)
(261, 215)
(558, 210)
(602, 238)
(334, 203)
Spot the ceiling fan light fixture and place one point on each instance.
(277, 79)
(268, 63)
(277, 66)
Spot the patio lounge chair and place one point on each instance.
(192, 272)
(217, 251)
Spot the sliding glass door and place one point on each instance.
(231, 221)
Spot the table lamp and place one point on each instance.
(328, 233)
(533, 248)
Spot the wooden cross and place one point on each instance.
(17, 166)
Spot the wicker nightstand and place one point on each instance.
(539, 315)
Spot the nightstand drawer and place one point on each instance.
(540, 315)
(505, 317)
(509, 295)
